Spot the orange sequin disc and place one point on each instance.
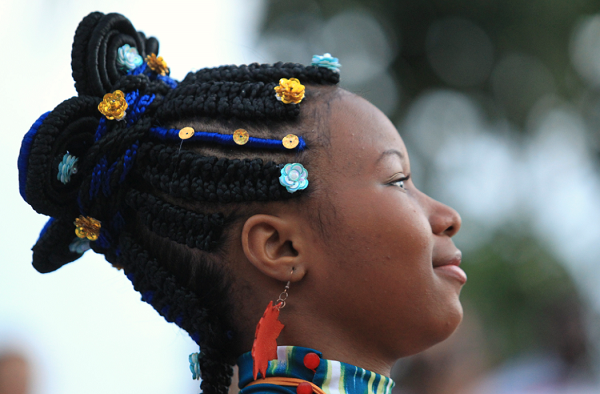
(241, 136)
(186, 133)
(290, 141)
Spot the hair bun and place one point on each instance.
(95, 49)
(69, 128)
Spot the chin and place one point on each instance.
(433, 330)
(446, 325)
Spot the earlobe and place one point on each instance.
(274, 246)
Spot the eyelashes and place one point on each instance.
(399, 182)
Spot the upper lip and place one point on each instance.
(450, 259)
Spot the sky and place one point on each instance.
(84, 327)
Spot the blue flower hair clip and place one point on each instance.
(327, 61)
(66, 168)
(128, 58)
(195, 365)
(294, 177)
(79, 245)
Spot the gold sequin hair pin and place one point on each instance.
(239, 137)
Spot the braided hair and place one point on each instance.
(165, 207)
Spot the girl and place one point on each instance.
(218, 193)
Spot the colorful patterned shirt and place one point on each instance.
(333, 377)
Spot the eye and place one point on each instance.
(400, 182)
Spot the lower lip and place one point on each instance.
(454, 271)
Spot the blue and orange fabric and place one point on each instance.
(333, 377)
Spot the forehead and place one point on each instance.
(360, 134)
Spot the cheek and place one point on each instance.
(380, 247)
(383, 228)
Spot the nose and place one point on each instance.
(444, 220)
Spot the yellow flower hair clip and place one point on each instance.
(157, 64)
(87, 227)
(289, 91)
(113, 106)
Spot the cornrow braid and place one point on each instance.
(158, 288)
(242, 100)
(195, 230)
(264, 73)
(244, 92)
(190, 176)
(164, 213)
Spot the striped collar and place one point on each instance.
(333, 377)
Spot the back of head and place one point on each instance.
(159, 204)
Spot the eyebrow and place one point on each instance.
(390, 152)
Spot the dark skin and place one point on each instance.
(381, 282)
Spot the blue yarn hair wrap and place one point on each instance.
(23, 162)
(224, 139)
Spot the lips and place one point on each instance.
(449, 266)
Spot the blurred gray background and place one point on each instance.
(499, 104)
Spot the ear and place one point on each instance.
(275, 246)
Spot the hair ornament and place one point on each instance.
(79, 245)
(128, 58)
(226, 139)
(113, 105)
(66, 168)
(87, 227)
(290, 141)
(157, 64)
(294, 177)
(241, 137)
(327, 61)
(195, 365)
(289, 91)
(186, 133)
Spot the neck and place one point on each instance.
(336, 345)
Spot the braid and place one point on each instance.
(182, 226)
(190, 176)
(242, 100)
(206, 321)
(165, 212)
(216, 371)
(264, 73)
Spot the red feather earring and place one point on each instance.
(267, 331)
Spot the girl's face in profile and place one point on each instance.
(387, 253)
